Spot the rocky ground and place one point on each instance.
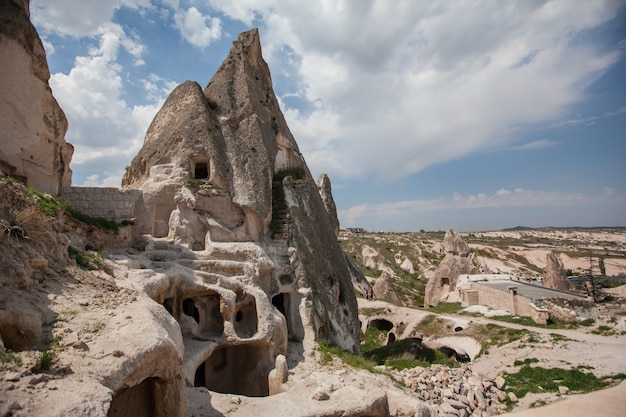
(411, 258)
(583, 348)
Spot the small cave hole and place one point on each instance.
(168, 303)
(239, 316)
(458, 328)
(201, 171)
(190, 309)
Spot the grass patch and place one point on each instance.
(45, 361)
(10, 359)
(67, 315)
(94, 328)
(540, 380)
(559, 338)
(526, 362)
(371, 311)
(47, 203)
(89, 261)
(99, 222)
(407, 353)
(329, 352)
(604, 330)
(447, 308)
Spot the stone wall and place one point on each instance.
(110, 203)
(499, 300)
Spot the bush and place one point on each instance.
(45, 360)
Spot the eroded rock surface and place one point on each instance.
(32, 138)
(458, 260)
(384, 289)
(555, 275)
(242, 251)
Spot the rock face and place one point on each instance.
(324, 187)
(453, 244)
(32, 139)
(223, 179)
(554, 275)
(458, 260)
(384, 289)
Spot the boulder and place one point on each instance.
(384, 289)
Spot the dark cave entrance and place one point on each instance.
(288, 305)
(201, 171)
(381, 324)
(241, 370)
(138, 401)
(190, 309)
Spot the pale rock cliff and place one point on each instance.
(458, 260)
(247, 256)
(32, 139)
(554, 275)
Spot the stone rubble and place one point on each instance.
(458, 392)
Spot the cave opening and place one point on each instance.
(201, 171)
(288, 305)
(190, 309)
(381, 324)
(137, 401)
(240, 370)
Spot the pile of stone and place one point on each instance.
(458, 392)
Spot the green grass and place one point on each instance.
(99, 222)
(356, 361)
(45, 360)
(371, 311)
(88, 261)
(52, 205)
(94, 328)
(446, 308)
(604, 331)
(540, 380)
(526, 361)
(10, 359)
(406, 353)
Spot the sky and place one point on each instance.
(472, 115)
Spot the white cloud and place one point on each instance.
(534, 145)
(105, 130)
(78, 18)
(95, 181)
(412, 84)
(502, 198)
(197, 29)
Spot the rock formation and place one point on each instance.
(384, 289)
(453, 244)
(554, 275)
(324, 187)
(248, 257)
(458, 260)
(32, 139)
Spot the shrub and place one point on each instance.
(45, 360)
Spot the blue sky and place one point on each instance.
(425, 115)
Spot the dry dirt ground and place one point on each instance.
(603, 355)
